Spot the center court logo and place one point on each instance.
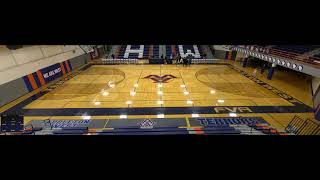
(160, 79)
(147, 124)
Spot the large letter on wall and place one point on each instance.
(137, 51)
(183, 54)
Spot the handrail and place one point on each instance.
(284, 54)
(300, 126)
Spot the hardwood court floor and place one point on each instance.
(123, 86)
(128, 87)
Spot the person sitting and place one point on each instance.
(204, 55)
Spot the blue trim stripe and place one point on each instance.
(317, 115)
(316, 93)
(27, 83)
(36, 78)
(68, 61)
(65, 66)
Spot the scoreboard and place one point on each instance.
(12, 123)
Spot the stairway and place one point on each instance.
(309, 54)
(207, 51)
(113, 51)
(162, 50)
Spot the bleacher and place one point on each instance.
(297, 53)
(316, 55)
(146, 51)
(300, 126)
(122, 51)
(222, 129)
(201, 51)
(297, 49)
(190, 48)
(294, 52)
(169, 51)
(156, 51)
(215, 126)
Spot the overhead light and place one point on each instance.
(123, 116)
(159, 85)
(182, 85)
(112, 85)
(220, 101)
(233, 115)
(185, 92)
(160, 102)
(159, 92)
(85, 117)
(212, 91)
(105, 93)
(189, 102)
(132, 93)
(160, 115)
(195, 115)
(128, 102)
(135, 85)
(97, 103)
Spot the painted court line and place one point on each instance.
(187, 121)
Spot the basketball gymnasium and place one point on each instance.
(160, 90)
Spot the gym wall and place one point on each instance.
(219, 54)
(36, 77)
(12, 90)
(15, 64)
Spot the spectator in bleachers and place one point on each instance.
(112, 56)
(189, 58)
(162, 59)
(263, 68)
(178, 59)
(204, 55)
